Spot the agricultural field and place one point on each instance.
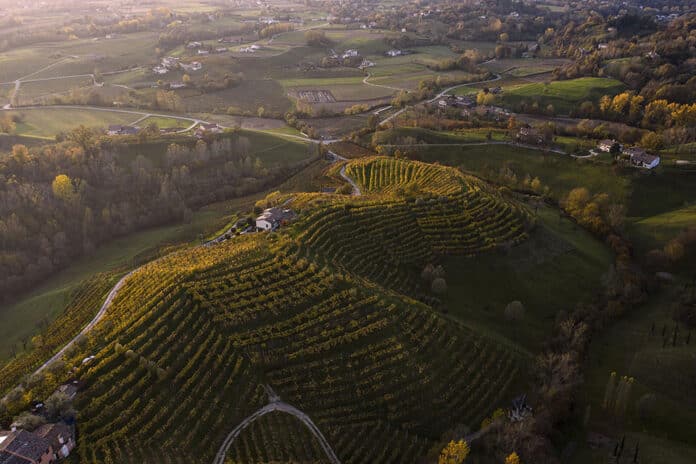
(560, 173)
(525, 67)
(36, 92)
(563, 95)
(354, 266)
(46, 123)
(143, 369)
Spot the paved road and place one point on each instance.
(100, 314)
(276, 405)
(336, 157)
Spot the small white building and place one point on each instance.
(640, 158)
(351, 53)
(272, 218)
(394, 53)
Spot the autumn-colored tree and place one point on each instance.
(7, 125)
(513, 458)
(454, 452)
(62, 188)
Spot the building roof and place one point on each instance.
(276, 214)
(8, 458)
(56, 434)
(26, 444)
(644, 158)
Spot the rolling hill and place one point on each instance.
(325, 312)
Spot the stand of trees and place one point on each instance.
(60, 201)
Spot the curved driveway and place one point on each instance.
(271, 407)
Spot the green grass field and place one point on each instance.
(164, 123)
(559, 266)
(629, 348)
(655, 231)
(47, 122)
(560, 173)
(563, 95)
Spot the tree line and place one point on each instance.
(59, 201)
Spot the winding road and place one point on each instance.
(336, 157)
(440, 95)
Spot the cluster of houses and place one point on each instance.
(638, 156)
(171, 63)
(192, 66)
(47, 444)
(457, 101)
(272, 218)
(167, 64)
(204, 129)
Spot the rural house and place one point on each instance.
(205, 128)
(606, 145)
(22, 447)
(529, 135)
(122, 130)
(59, 436)
(640, 158)
(272, 218)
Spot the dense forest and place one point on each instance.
(58, 202)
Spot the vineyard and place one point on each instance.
(413, 212)
(192, 338)
(277, 437)
(79, 311)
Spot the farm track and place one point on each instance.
(276, 405)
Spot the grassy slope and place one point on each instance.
(629, 349)
(563, 95)
(566, 264)
(46, 123)
(560, 173)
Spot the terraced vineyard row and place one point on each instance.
(169, 380)
(389, 175)
(84, 301)
(192, 337)
(277, 437)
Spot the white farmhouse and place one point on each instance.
(272, 218)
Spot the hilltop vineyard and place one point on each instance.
(193, 338)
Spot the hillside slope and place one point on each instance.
(192, 338)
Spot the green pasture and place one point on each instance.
(631, 347)
(563, 95)
(47, 122)
(559, 172)
(567, 264)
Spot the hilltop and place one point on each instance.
(313, 312)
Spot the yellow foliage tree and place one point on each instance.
(454, 453)
(62, 188)
(513, 458)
